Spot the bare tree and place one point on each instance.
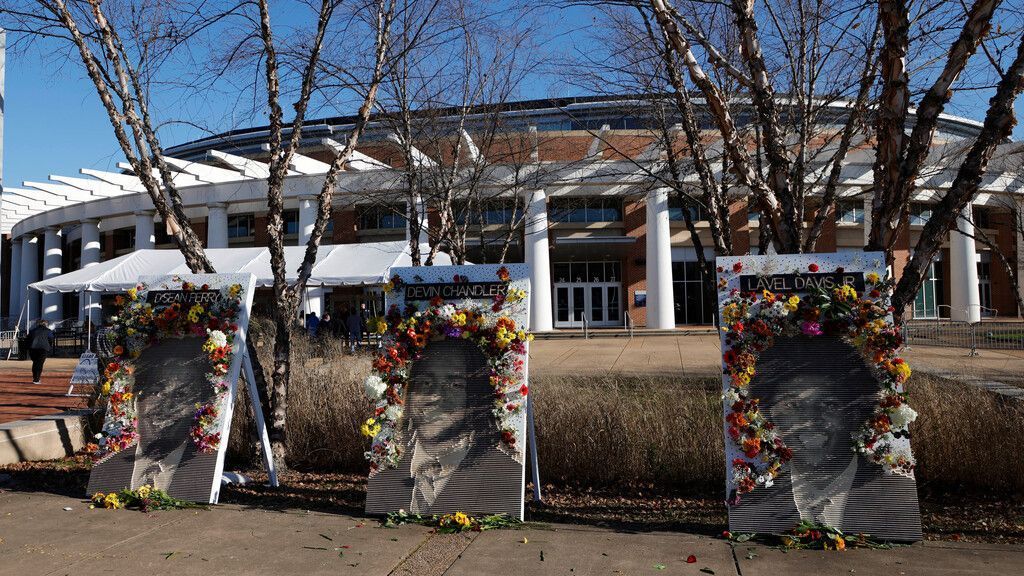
(119, 74)
(120, 69)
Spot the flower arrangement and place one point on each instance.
(751, 322)
(452, 523)
(407, 334)
(145, 498)
(140, 324)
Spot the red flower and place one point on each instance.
(503, 274)
(691, 559)
(524, 390)
(812, 267)
(737, 267)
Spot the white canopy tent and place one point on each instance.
(336, 265)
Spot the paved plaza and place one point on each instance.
(45, 534)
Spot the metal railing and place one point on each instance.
(628, 320)
(586, 326)
(989, 333)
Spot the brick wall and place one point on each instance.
(634, 265)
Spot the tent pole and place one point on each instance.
(17, 327)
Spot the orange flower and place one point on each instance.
(118, 350)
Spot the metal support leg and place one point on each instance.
(531, 434)
(261, 425)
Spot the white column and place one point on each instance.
(538, 257)
(965, 298)
(1018, 223)
(30, 274)
(15, 287)
(661, 311)
(53, 308)
(89, 307)
(144, 232)
(867, 219)
(217, 225)
(314, 300)
(307, 218)
(418, 210)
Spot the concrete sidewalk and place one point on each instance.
(39, 537)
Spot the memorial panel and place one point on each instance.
(816, 418)
(176, 350)
(450, 389)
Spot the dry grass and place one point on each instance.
(326, 405)
(966, 439)
(655, 432)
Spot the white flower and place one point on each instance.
(732, 396)
(217, 338)
(393, 413)
(901, 417)
(446, 311)
(374, 386)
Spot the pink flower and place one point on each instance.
(810, 328)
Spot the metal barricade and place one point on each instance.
(989, 333)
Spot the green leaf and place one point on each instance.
(659, 566)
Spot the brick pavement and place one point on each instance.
(20, 399)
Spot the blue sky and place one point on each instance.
(54, 123)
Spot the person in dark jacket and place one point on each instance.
(40, 345)
(354, 327)
(326, 327)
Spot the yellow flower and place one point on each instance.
(872, 278)
(235, 290)
(112, 502)
(792, 303)
(133, 294)
(461, 519)
(105, 389)
(144, 491)
(767, 295)
(370, 428)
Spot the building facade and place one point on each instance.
(606, 242)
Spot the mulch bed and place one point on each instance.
(950, 517)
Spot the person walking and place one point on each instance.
(40, 345)
(354, 327)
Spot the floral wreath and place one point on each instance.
(407, 334)
(751, 322)
(139, 325)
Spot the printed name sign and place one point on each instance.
(815, 411)
(176, 347)
(800, 282)
(454, 291)
(450, 393)
(165, 297)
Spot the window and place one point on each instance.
(676, 207)
(585, 209)
(586, 272)
(382, 217)
(241, 226)
(124, 240)
(920, 213)
(494, 212)
(981, 217)
(291, 222)
(850, 212)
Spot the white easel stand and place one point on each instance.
(261, 425)
(531, 434)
